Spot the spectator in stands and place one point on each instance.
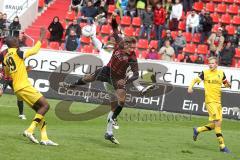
(101, 17)
(5, 25)
(236, 38)
(159, 20)
(168, 8)
(167, 51)
(15, 27)
(179, 42)
(187, 5)
(225, 33)
(205, 25)
(74, 26)
(72, 42)
(227, 54)
(199, 60)
(147, 22)
(76, 5)
(56, 30)
(141, 6)
(186, 59)
(22, 39)
(215, 42)
(110, 2)
(192, 22)
(176, 15)
(167, 37)
(152, 54)
(89, 12)
(131, 8)
(1, 24)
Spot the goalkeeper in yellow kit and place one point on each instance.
(213, 79)
(14, 67)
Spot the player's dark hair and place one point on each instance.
(12, 42)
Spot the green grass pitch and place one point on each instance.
(141, 138)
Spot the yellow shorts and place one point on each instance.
(29, 94)
(214, 111)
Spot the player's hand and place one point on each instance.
(121, 82)
(29, 68)
(190, 90)
(42, 33)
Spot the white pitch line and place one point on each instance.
(7, 106)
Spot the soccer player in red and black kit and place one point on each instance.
(6, 81)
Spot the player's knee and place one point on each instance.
(89, 78)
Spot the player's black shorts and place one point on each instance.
(104, 75)
(5, 84)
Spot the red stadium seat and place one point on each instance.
(236, 20)
(182, 25)
(85, 39)
(174, 34)
(136, 21)
(153, 44)
(221, 8)
(217, 1)
(215, 28)
(106, 29)
(237, 1)
(137, 32)
(129, 31)
(193, 58)
(226, 19)
(111, 9)
(41, 3)
(196, 38)
(87, 49)
(230, 29)
(215, 17)
(233, 9)
(198, 6)
(210, 7)
(228, 1)
(202, 49)
(44, 44)
(70, 15)
(126, 20)
(237, 52)
(190, 48)
(180, 57)
(188, 36)
(144, 54)
(54, 45)
(142, 44)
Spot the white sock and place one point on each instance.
(109, 123)
(138, 86)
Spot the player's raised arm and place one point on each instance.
(194, 81)
(34, 50)
(225, 81)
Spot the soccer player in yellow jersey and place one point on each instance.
(14, 66)
(213, 79)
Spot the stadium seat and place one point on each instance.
(85, 40)
(196, 38)
(64, 24)
(226, 19)
(126, 20)
(202, 49)
(154, 44)
(163, 33)
(215, 17)
(215, 28)
(210, 7)
(237, 52)
(182, 25)
(236, 20)
(137, 32)
(180, 57)
(230, 29)
(144, 54)
(228, 1)
(190, 48)
(87, 49)
(188, 36)
(41, 3)
(129, 31)
(106, 29)
(44, 43)
(142, 44)
(111, 9)
(217, 1)
(174, 34)
(221, 8)
(237, 1)
(136, 21)
(233, 9)
(70, 15)
(193, 58)
(198, 6)
(54, 45)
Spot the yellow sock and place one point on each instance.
(207, 127)
(43, 130)
(37, 119)
(219, 135)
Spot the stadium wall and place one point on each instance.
(50, 68)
